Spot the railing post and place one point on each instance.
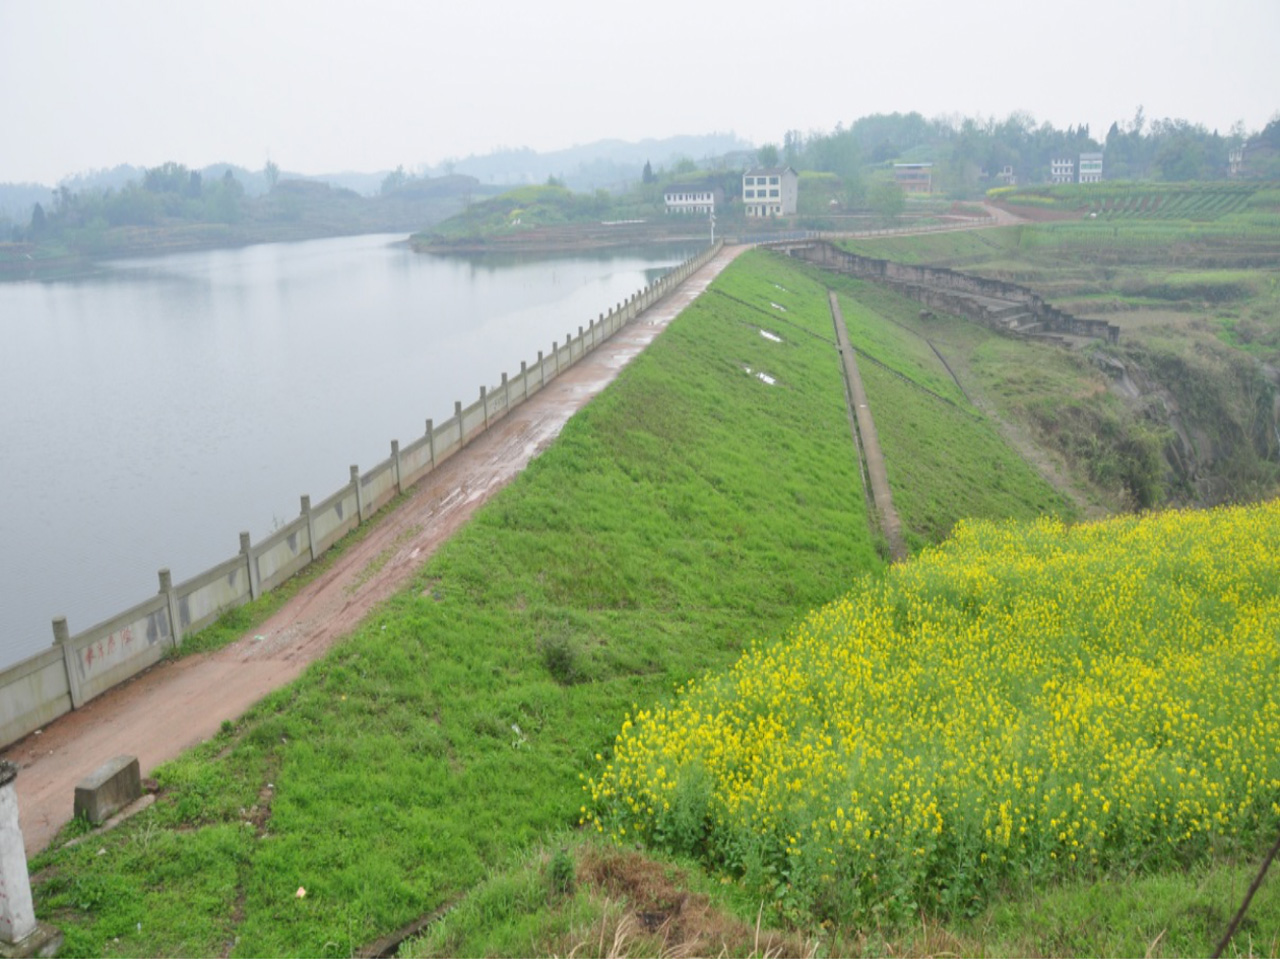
(484, 406)
(431, 442)
(62, 638)
(171, 601)
(395, 465)
(506, 395)
(524, 381)
(462, 433)
(355, 480)
(246, 551)
(311, 527)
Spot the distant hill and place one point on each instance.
(604, 164)
(17, 199)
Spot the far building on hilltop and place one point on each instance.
(702, 197)
(1235, 162)
(913, 177)
(1090, 168)
(1062, 171)
(770, 192)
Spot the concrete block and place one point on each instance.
(113, 786)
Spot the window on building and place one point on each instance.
(773, 193)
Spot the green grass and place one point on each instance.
(1170, 914)
(902, 351)
(946, 460)
(936, 248)
(782, 297)
(945, 465)
(516, 912)
(686, 511)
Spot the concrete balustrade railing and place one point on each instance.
(81, 666)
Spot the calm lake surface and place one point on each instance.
(154, 410)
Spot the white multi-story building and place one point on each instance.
(770, 192)
(700, 198)
(1235, 161)
(1090, 168)
(1062, 171)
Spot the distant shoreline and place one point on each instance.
(30, 261)
(568, 238)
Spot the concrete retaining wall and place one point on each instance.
(80, 667)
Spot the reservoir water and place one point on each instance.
(150, 412)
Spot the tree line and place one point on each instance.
(968, 153)
(169, 192)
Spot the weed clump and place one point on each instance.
(561, 874)
(562, 661)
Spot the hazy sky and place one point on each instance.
(323, 86)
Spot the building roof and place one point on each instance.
(766, 171)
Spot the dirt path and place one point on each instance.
(877, 476)
(179, 703)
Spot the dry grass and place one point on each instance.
(646, 910)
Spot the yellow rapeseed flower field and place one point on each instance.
(1022, 701)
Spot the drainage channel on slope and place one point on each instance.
(867, 439)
